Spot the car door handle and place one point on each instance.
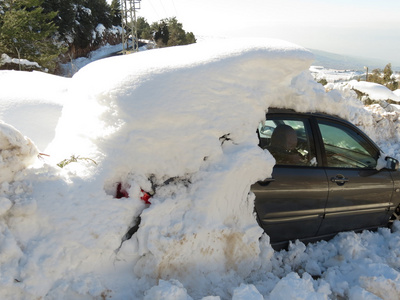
(340, 179)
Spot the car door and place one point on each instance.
(291, 204)
(359, 194)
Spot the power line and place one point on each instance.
(163, 8)
(158, 16)
(173, 4)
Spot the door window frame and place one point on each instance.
(310, 132)
(315, 135)
(347, 125)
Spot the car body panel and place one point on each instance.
(318, 201)
(292, 206)
(362, 202)
(396, 188)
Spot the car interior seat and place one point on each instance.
(283, 146)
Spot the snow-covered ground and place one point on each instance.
(153, 121)
(333, 75)
(70, 68)
(374, 90)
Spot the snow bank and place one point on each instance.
(375, 91)
(70, 68)
(32, 103)
(382, 124)
(179, 123)
(16, 152)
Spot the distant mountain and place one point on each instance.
(343, 62)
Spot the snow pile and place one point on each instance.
(383, 121)
(179, 123)
(351, 266)
(17, 152)
(5, 59)
(70, 68)
(32, 103)
(374, 91)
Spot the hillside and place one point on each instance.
(344, 62)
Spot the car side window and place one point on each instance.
(346, 148)
(288, 140)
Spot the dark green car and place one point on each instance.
(327, 179)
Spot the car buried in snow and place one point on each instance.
(329, 177)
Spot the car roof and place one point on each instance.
(286, 111)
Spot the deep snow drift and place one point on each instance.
(178, 123)
(32, 102)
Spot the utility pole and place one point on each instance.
(128, 16)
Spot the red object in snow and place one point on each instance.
(122, 193)
(145, 197)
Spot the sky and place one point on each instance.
(361, 28)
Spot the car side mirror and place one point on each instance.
(392, 163)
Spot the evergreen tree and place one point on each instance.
(384, 77)
(83, 26)
(388, 79)
(27, 31)
(169, 32)
(190, 38)
(178, 36)
(100, 12)
(116, 17)
(376, 76)
(65, 18)
(161, 33)
(387, 72)
(143, 29)
(78, 19)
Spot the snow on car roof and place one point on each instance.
(173, 100)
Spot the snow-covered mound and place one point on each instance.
(374, 91)
(172, 101)
(383, 123)
(16, 152)
(32, 102)
(179, 123)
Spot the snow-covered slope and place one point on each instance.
(178, 123)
